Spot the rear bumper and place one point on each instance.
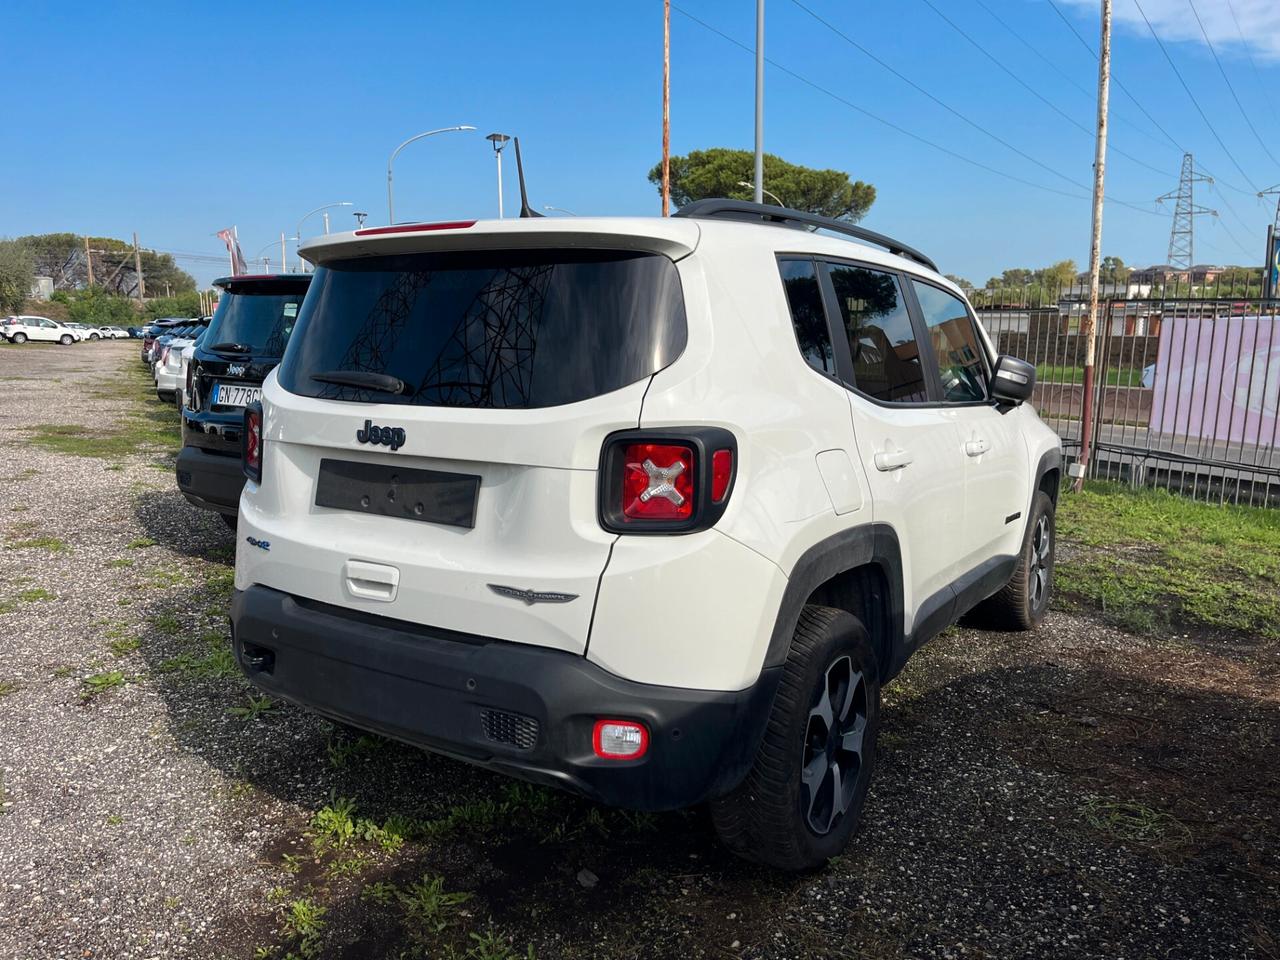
(210, 481)
(464, 696)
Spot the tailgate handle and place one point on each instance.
(371, 581)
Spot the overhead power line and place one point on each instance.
(954, 112)
(1203, 116)
(1035, 93)
(1017, 35)
(1244, 113)
(1138, 103)
(1252, 63)
(978, 164)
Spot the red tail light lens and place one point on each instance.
(164, 356)
(657, 482)
(721, 474)
(251, 442)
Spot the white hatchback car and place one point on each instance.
(20, 329)
(646, 509)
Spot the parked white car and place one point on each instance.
(86, 332)
(114, 333)
(647, 509)
(20, 329)
(168, 370)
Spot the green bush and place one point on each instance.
(98, 308)
(17, 272)
(183, 305)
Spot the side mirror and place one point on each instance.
(1013, 380)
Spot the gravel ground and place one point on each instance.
(1077, 792)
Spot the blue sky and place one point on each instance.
(252, 114)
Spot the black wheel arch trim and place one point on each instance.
(1049, 460)
(870, 544)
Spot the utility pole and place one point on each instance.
(137, 268)
(1182, 236)
(88, 261)
(284, 255)
(759, 177)
(666, 108)
(1090, 328)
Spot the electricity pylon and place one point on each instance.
(1182, 236)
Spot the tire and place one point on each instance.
(230, 521)
(94, 336)
(1024, 600)
(18, 338)
(66, 340)
(778, 815)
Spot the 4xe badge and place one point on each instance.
(392, 437)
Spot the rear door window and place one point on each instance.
(882, 341)
(258, 316)
(507, 329)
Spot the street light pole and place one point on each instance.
(391, 206)
(759, 178)
(323, 206)
(499, 140)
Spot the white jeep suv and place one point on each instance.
(646, 509)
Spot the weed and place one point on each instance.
(7, 687)
(100, 683)
(172, 903)
(120, 562)
(428, 908)
(491, 945)
(167, 624)
(52, 544)
(35, 594)
(114, 820)
(334, 824)
(164, 577)
(1134, 822)
(140, 543)
(304, 923)
(291, 863)
(124, 645)
(342, 749)
(382, 893)
(255, 707)
(352, 866)
(65, 670)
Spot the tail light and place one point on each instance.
(619, 739)
(251, 442)
(164, 356)
(668, 481)
(192, 403)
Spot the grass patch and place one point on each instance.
(32, 595)
(1116, 377)
(140, 543)
(254, 708)
(1151, 561)
(123, 646)
(100, 683)
(52, 544)
(1133, 822)
(148, 426)
(120, 562)
(7, 687)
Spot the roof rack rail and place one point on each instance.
(710, 209)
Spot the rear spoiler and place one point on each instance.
(671, 238)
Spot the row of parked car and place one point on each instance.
(26, 328)
(645, 509)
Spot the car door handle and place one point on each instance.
(892, 460)
(976, 447)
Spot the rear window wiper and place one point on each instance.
(231, 348)
(381, 382)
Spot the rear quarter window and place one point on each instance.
(507, 329)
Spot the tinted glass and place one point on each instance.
(886, 357)
(259, 319)
(800, 280)
(494, 329)
(955, 344)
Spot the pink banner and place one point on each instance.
(1218, 379)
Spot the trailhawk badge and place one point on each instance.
(530, 597)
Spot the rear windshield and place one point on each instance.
(258, 319)
(510, 329)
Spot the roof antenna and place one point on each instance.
(525, 209)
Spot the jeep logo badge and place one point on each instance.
(236, 369)
(392, 437)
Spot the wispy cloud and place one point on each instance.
(1259, 22)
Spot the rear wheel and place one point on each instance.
(18, 338)
(802, 799)
(1024, 600)
(66, 339)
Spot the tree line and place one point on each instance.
(68, 259)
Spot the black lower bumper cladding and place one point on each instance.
(522, 710)
(209, 480)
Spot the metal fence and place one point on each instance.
(1186, 388)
